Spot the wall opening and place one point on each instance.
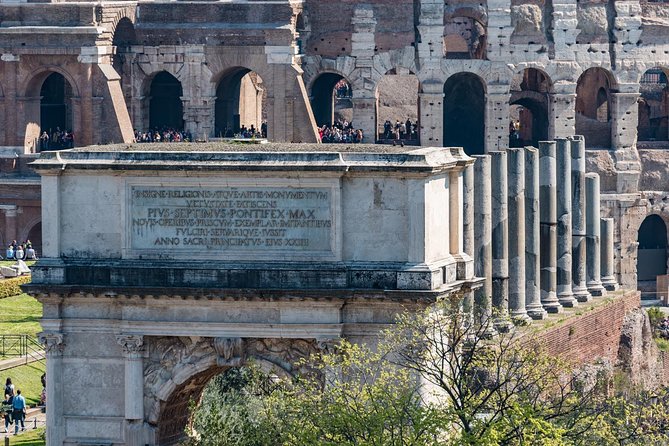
(651, 254)
(397, 107)
(593, 107)
(35, 237)
(331, 99)
(124, 38)
(654, 108)
(165, 106)
(56, 113)
(240, 101)
(464, 113)
(464, 38)
(529, 108)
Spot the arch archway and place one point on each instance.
(654, 107)
(165, 106)
(652, 252)
(529, 108)
(331, 99)
(35, 237)
(593, 107)
(464, 113)
(397, 106)
(464, 36)
(55, 111)
(124, 37)
(240, 100)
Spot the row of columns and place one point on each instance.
(538, 238)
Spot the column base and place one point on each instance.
(609, 283)
(596, 289)
(550, 302)
(581, 293)
(503, 324)
(536, 312)
(567, 300)
(520, 318)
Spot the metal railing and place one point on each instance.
(20, 346)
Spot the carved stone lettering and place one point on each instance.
(231, 220)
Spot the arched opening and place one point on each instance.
(464, 112)
(240, 97)
(124, 37)
(654, 108)
(165, 106)
(529, 108)
(55, 113)
(35, 238)
(593, 116)
(397, 107)
(331, 99)
(652, 253)
(464, 38)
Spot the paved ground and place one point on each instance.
(34, 419)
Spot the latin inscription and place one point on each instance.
(246, 219)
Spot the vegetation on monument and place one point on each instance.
(434, 379)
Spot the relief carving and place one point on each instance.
(53, 343)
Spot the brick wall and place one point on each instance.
(594, 334)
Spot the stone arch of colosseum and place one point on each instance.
(464, 112)
(240, 100)
(594, 104)
(530, 107)
(322, 96)
(177, 369)
(652, 249)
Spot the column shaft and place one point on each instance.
(516, 197)
(532, 236)
(592, 235)
(607, 255)
(483, 236)
(500, 240)
(468, 236)
(578, 219)
(53, 345)
(564, 260)
(548, 215)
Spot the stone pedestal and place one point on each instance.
(564, 247)
(578, 219)
(516, 197)
(500, 240)
(607, 255)
(483, 236)
(592, 235)
(548, 228)
(532, 236)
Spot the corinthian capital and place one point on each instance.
(132, 344)
(53, 342)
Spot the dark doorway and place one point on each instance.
(35, 237)
(464, 112)
(55, 104)
(652, 253)
(240, 100)
(654, 108)
(330, 94)
(593, 116)
(165, 106)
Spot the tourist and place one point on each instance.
(7, 412)
(19, 411)
(9, 387)
(19, 253)
(9, 255)
(30, 253)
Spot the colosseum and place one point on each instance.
(483, 75)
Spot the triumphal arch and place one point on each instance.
(163, 268)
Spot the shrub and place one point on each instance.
(12, 287)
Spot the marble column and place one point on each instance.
(500, 240)
(548, 227)
(564, 260)
(134, 387)
(578, 257)
(532, 236)
(592, 235)
(516, 203)
(10, 225)
(483, 236)
(607, 255)
(468, 236)
(54, 346)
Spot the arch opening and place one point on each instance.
(397, 107)
(240, 105)
(593, 107)
(529, 108)
(124, 38)
(35, 237)
(464, 38)
(331, 100)
(55, 113)
(654, 108)
(165, 106)
(464, 113)
(651, 254)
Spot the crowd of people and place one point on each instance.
(56, 139)
(164, 134)
(400, 131)
(20, 251)
(340, 132)
(14, 406)
(662, 328)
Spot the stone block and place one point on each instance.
(8, 271)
